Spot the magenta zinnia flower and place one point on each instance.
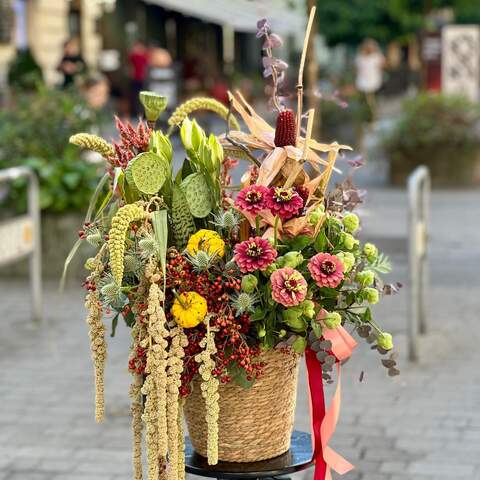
(327, 270)
(252, 199)
(284, 202)
(289, 288)
(254, 254)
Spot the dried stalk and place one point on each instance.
(301, 68)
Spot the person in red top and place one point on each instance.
(139, 60)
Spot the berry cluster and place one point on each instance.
(234, 347)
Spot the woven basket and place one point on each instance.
(256, 423)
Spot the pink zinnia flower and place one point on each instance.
(254, 254)
(252, 199)
(327, 270)
(284, 202)
(289, 288)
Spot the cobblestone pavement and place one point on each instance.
(423, 425)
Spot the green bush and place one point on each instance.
(35, 132)
(439, 131)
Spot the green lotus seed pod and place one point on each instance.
(147, 172)
(153, 104)
(333, 320)
(351, 222)
(365, 278)
(371, 295)
(249, 283)
(292, 259)
(370, 251)
(385, 341)
(197, 195)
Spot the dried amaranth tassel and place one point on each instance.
(285, 132)
(94, 143)
(210, 393)
(201, 103)
(136, 410)
(116, 236)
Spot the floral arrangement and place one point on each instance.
(207, 279)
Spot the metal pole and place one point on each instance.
(36, 255)
(418, 200)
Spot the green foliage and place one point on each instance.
(351, 21)
(35, 132)
(183, 225)
(434, 121)
(24, 73)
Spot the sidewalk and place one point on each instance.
(423, 425)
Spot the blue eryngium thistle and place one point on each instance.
(201, 261)
(244, 302)
(227, 220)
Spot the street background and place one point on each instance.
(421, 425)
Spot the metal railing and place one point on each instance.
(418, 216)
(20, 236)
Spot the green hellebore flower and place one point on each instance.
(249, 283)
(348, 260)
(292, 317)
(371, 295)
(385, 341)
(316, 215)
(348, 241)
(370, 251)
(153, 104)
(308, 308)
(300, 344)
(271, 268)
(292, 259)
(333, 320)
(351, 222)
(365, 278)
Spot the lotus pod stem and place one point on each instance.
(201, 103)
(94, 143)
(116, 236)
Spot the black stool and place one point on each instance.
(299, 457)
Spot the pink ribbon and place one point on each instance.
(324, 421)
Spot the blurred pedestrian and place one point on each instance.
(96, 90)
(369, 64)
(139, 61)
(72, 64)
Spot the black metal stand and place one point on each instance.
(299, 457)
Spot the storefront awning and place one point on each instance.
(285, 16)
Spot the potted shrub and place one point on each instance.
(223, 293)
(439, 131)
(35, 132)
